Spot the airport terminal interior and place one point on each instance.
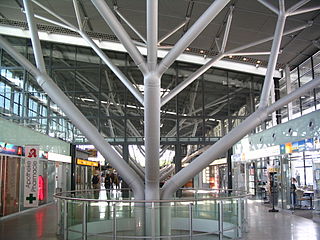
(158, 119)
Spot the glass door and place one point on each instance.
(285, 186)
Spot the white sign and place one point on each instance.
(58, 157)
(31, 173)
(259, 153)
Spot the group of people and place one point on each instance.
(111, 181)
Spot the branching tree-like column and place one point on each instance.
(152, 72)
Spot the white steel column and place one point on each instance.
(273, 99)
(273, 56)
(289, 89)
(152, 33)
(34, 36)
(152, 106)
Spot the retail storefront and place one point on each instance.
(264, 164)
(47, 173)
(215, 175)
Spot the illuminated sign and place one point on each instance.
(10, 149)
(87, 163)
(40, 188)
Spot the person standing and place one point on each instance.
(108, 184)
(116, 181)
(107, 181)
(95, 181)
(96, 185)
(293, 189)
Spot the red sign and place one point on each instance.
(40, 188)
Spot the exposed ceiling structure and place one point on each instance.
(251, 22)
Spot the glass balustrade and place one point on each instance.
(115, 214)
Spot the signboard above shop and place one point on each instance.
(11, 149)
(309, 144)
(87, 162)
(299, 146)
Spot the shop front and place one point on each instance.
(44, 175)
(269, 174)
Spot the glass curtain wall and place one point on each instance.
(208, 108)
(299, 76)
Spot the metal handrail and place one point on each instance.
(59, 196)
(198, 196)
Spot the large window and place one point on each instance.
(207, 109)
(299, 76)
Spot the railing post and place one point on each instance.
(65, 220)
(114, 222)
(190, 220)
(59, 216)
(153, 221)
(84, 221)
(220, 206)
(245, 217)
(239, 218)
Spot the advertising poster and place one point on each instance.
(309, 144)
(302, 145)
(31, 172)
(288, 147)
(295, 147)
(282, 149)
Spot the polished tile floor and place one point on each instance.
(263, 225)
(32, 225)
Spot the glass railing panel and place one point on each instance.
(198, 214)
